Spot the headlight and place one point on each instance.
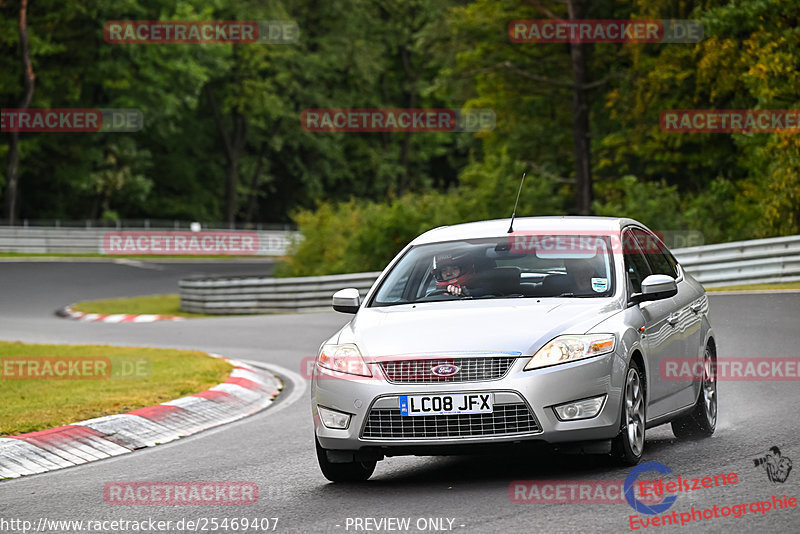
(344, 359)
(565, 349)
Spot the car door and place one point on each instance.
(686, 319)
(659, 338)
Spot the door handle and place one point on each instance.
(696, 307)
(673, 319)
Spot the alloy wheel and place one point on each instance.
(634, 411)
(710, 389)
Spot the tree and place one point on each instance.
(736, 186)
(580, 119)
(28, 83)
(545, 95)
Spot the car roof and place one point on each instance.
(499, 227)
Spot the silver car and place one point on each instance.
(480, 335)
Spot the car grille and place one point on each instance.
(472, 369)
(506, 419)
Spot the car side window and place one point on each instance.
(636, 266)
(672, 261)
(656, 253)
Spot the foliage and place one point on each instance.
(359, 197)
(358, 236)
(655, 204)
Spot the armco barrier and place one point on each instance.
(42, 240)
(743, 262)
(775, 259)
(263, 295)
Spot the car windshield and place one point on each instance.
(554, 266)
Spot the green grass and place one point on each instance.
(27, 405)
(150, 304)
(752, 287)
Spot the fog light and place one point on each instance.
(582, 409)
(333, 419)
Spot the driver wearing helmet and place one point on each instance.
(453, 272)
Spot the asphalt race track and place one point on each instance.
(275, 448)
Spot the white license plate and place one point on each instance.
(457, 403)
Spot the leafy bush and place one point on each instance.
(359, 236)
(653, 203)
(724, 212)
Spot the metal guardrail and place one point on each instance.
(36, 240)
(743, 262)
(775, 259)
(264, 295)
(146, 224)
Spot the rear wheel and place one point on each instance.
(628, 447)
(343, 472)
(702, 420)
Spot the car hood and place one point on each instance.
(505, 325)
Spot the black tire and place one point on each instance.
(346, 472)
(702, 420)
(628, 447)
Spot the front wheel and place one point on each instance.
(343, 472)
(702, 420)
(627, 448)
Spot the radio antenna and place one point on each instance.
(514, 213)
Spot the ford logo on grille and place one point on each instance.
(445, 369)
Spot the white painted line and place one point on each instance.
(145, 318)
(298, 382)
(138, 264)
(249, 375)
(242, 393)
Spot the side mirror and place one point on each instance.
(656, 287)
(346, 300)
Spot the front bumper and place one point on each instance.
(534, 392)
